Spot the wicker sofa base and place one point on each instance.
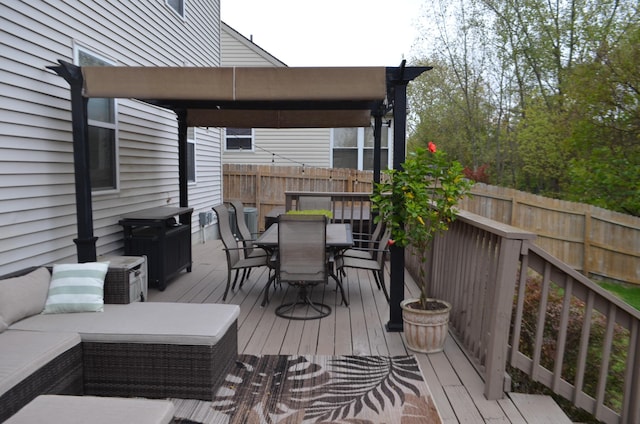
(158, 370)
(62, 375)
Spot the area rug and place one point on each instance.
(274, 389)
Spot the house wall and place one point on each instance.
(37, 200)
(286, 147)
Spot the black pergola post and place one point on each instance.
(399, 79)
(396, 287)
(183, 160)
(377, 145)
(86, 241)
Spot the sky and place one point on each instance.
(328, 32)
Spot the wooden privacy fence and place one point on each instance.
(264, 186)
(592, 240)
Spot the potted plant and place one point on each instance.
(416, 203)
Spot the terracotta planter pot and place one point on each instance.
(425, 330)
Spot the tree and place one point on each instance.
(544, 93)
(604, 95)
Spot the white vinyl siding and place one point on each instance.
(237, 50)
(37, 200)
(286, 147)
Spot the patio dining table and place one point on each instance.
(339, 237)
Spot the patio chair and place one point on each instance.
(235, 261)
(376, 266)
(302, 263)
(246, 237)
(366, 249)
(314, 203)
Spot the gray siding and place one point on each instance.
(237, 50)
(37, 200)
(286, 147)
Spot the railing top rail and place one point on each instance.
(327, 193)
(495, 227)
(585, 281)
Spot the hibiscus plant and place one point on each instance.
(418, 201)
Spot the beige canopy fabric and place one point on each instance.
(258, 97)
(236, 84)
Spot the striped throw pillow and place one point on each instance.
(76, 288)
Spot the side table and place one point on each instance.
(126, 279)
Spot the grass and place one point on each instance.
(630, 293)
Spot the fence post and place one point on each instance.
(586, 244)
(502, 303)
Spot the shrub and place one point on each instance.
(617, 360)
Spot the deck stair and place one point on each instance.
(538, 409)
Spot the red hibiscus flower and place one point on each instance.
(432, 147)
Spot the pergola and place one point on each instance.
(244, 97)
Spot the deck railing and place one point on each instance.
(514, 304)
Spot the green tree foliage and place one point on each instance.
(605, 108)
(544, 95)
(541, 149)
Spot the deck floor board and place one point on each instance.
(358, 329)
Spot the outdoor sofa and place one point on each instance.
(147, 350)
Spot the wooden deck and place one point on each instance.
(355, 330)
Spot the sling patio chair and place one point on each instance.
(302, 262)
(376, 266)
(246, 237)
(236, 261)
(366, 249)
(244, 234)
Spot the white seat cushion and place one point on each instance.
(24, 352)
(54, 409)
(148, 322)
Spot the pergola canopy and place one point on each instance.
(244, 98)
(256, 97)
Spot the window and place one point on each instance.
(102, 119)
(239, 139)
(345, 148)
(367, 152)
(353, 148)
(177, 5)
(191, 154)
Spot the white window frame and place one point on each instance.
(192, 139)
(253, 142)
(181, 13)
(103, 124)
(360, 147)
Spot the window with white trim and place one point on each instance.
(177, 6)
(353, 148)
(191, 154)
(239, 139)
(103, 131)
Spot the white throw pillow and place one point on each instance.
(21, 297)
(77, 288)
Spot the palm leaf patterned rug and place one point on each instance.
(317, 389)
